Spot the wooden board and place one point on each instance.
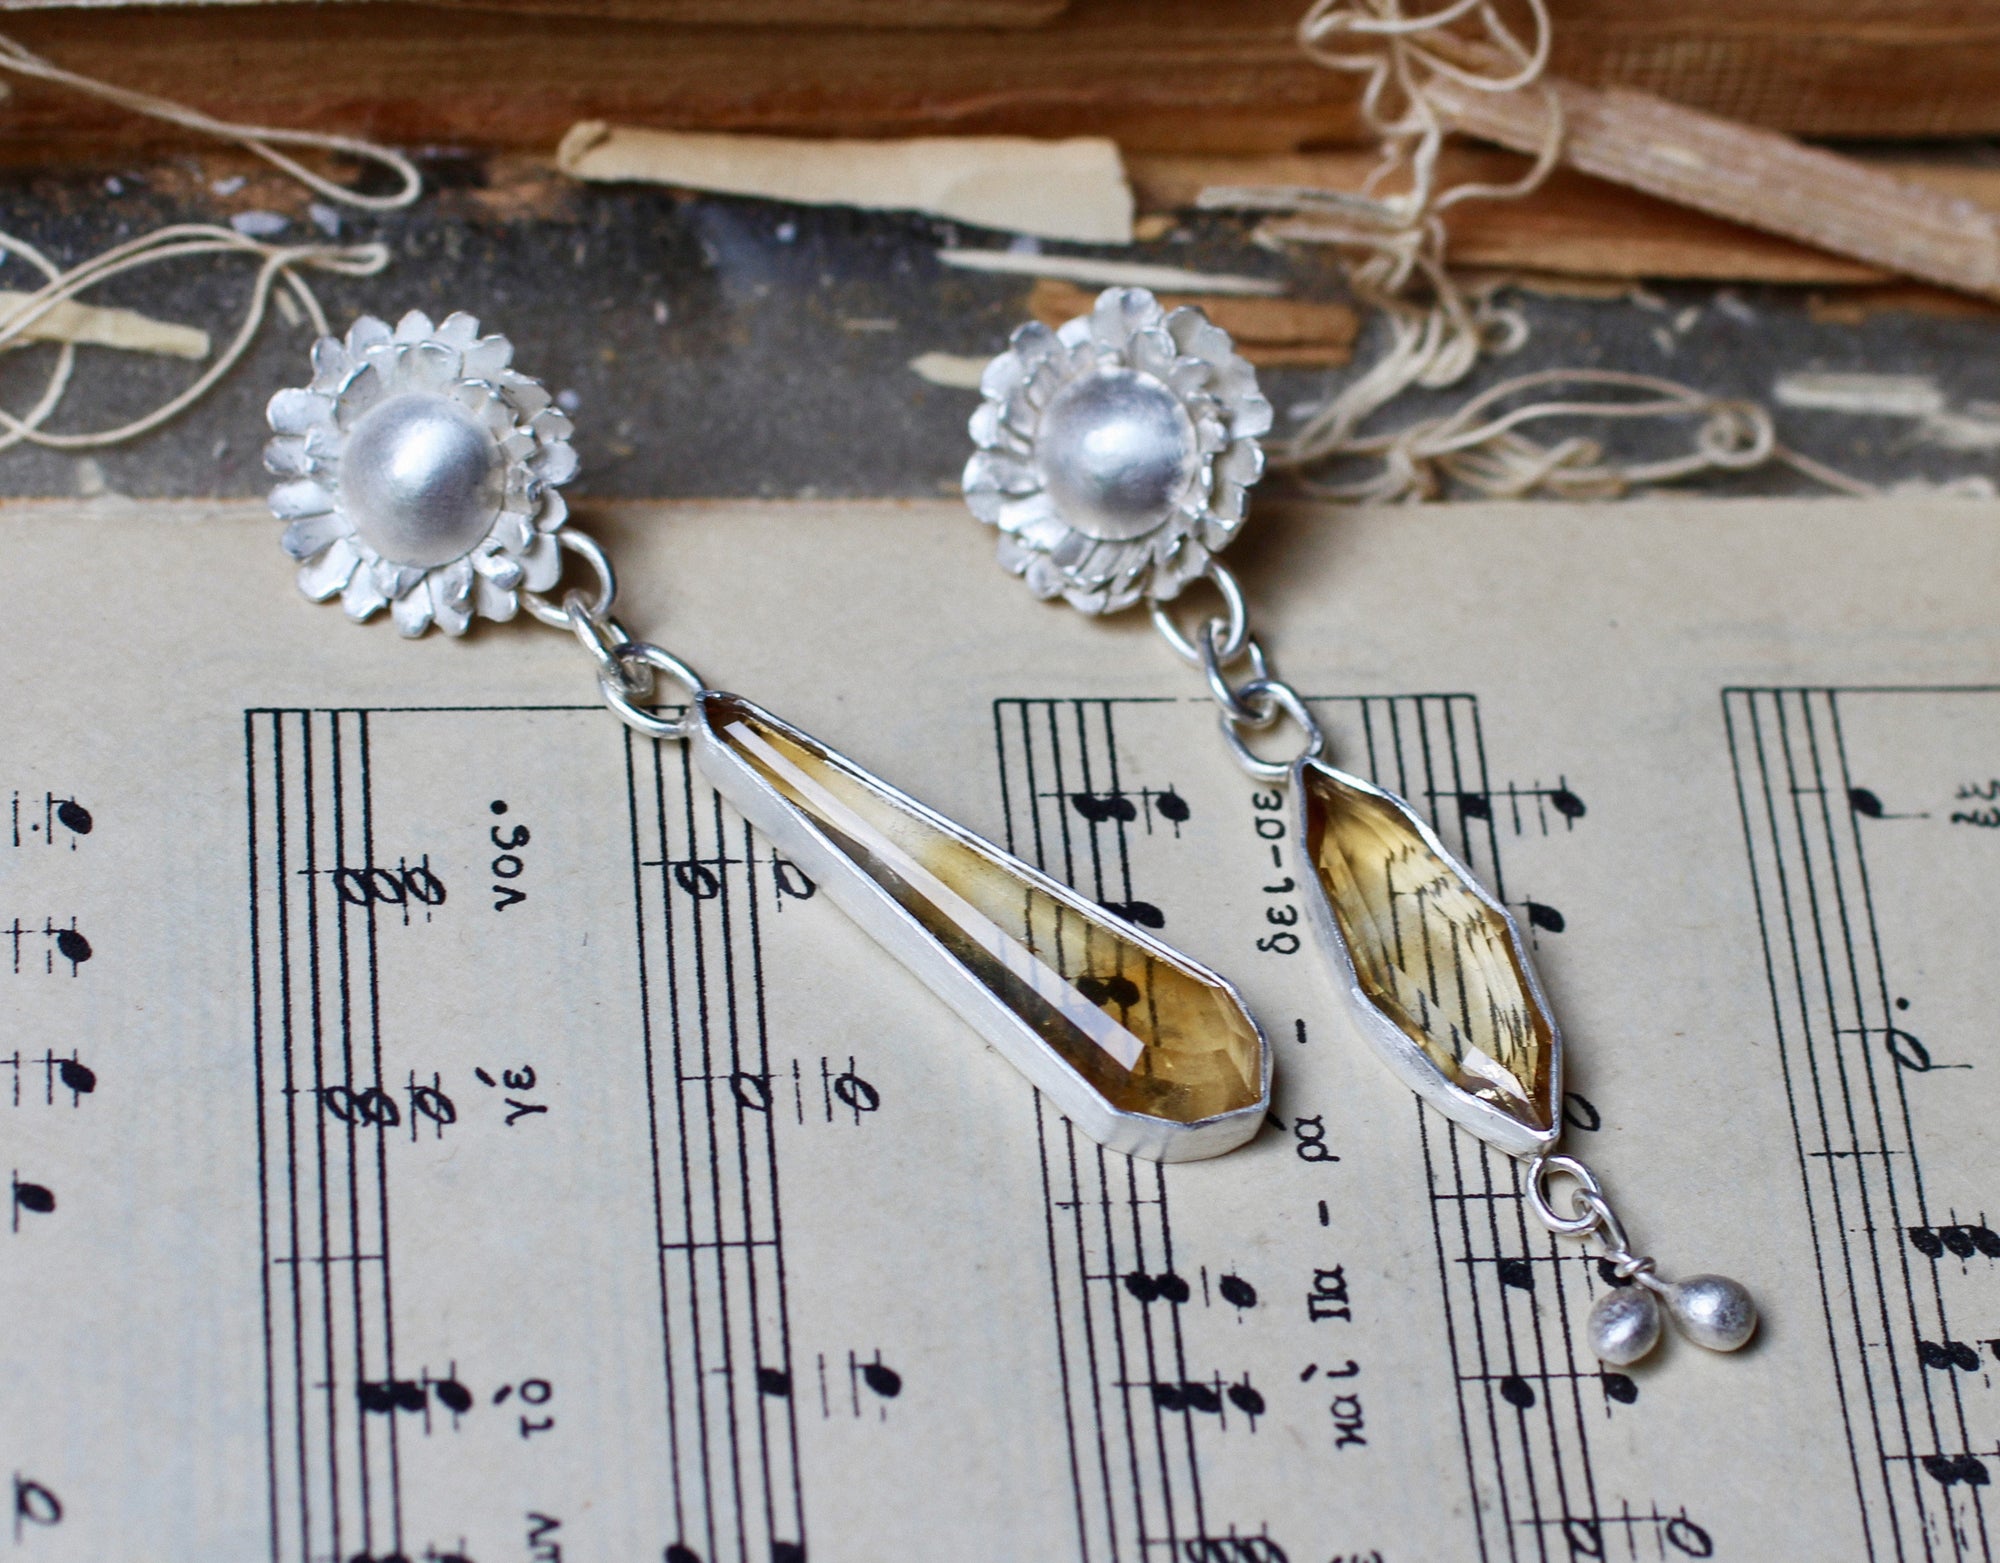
(741, 13)
(1160, 75)
(1574, 225)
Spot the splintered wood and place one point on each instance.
(1750, 176)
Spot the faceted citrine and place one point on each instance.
(1149, 1034)
(1431, 952)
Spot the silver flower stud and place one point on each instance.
(1115, 453)
(421, 474)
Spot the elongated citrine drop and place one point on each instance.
(1431, 952)
(1147, 1031)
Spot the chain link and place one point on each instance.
(1590, 1214)
(1260, 700)
(586, 548)
(1235, 628)
(625, 667)
(648, 657)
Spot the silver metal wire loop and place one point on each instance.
(1586, 1197)
(1219, 686)
(586, 548)
(641, 656)
(602, 638)
(1267, 699)
(1235, 629)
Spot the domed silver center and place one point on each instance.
(1116, 452)
(420, 480)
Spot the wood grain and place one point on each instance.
(1160, 75)
(1754, 177)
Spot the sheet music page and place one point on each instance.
(435, 1128)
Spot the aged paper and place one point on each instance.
(435, 1128)
(1069, 189)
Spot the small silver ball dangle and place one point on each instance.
(1624, 1325)
(1712, 1311)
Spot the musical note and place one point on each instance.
(57, 943)
(39, 822)
(1479, 806)
(1119, 808)
(35, 1198)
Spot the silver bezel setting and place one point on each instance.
(1395, 1047)
(899, 933)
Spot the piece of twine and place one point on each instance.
(277, 264)
(1392, 236)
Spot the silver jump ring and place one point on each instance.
(1219, 685)
(585, 547)
(1272, 696)
(1236, 628)
(602, 638)
(646, 655)
(1586, 1200)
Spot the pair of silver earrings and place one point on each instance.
(1115, 456)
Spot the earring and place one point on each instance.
(422, 476)
(1115, 456)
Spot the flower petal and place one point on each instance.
(556, 464)
(493, 600)
(286, 456)
(1074, 334)
(1004, 375)
(331, 364)
(1188, 377)
(1002, 471)
(362, 391)
(412, 610)
(1025, 511)
(502, 569)
(430, 366)
(1012, 556)
(459, 329)
(984, 503)
(1043, 578)
(415, 327)
(313, 535)
(331, 571)
(489, 356)
(1120, 314)
(453, 582)
(541, 563)
(528, 396)
(362, 596)
(555, 510)
(1153, 353)
(365, 333)
(550, 426)
(1250, 416)
(1034, 344)
(512, 532)
(1242, 463)
(395, 580)
(289, 501)
(452, 615)
(295, 411)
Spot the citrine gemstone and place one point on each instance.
(1431, 952)
(1151, 1035)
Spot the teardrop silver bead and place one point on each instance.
(1712, 1311)
(1624, 1325)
